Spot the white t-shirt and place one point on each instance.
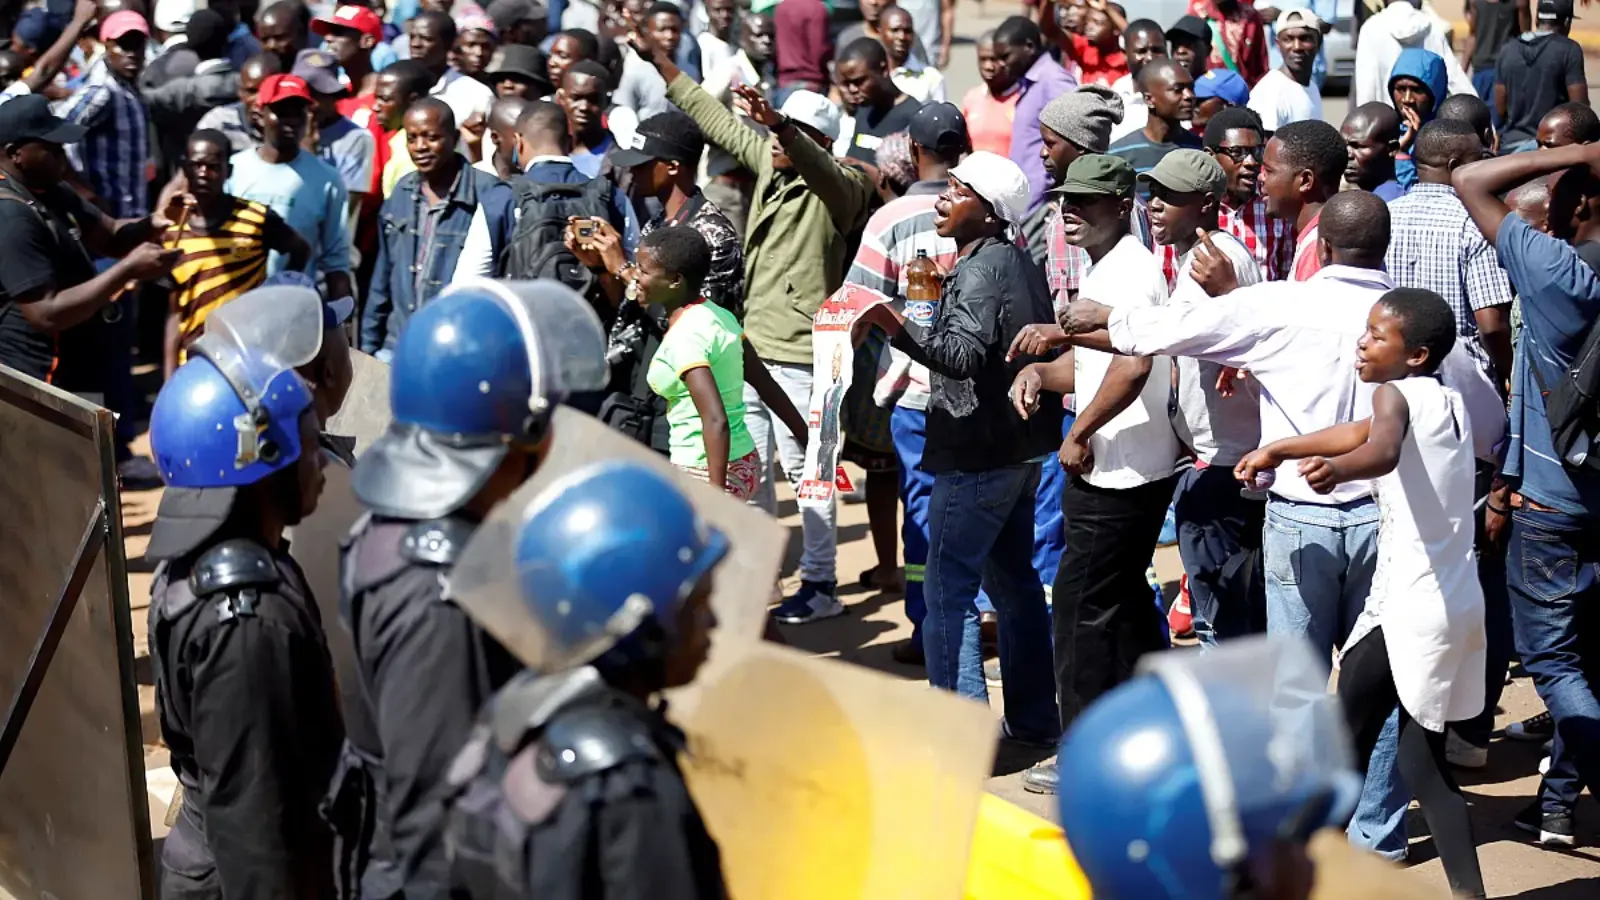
(1138, 445)
(464, 95)
(1279, 100)
(1220, 430)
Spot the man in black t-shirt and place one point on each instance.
(52, 301)
(862, 71)
(1168, 91)
(1535, 73)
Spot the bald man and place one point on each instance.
(1372, 135)
(281, 30)
(503, 118)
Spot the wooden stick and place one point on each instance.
(183, 219)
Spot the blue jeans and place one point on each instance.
(980, 528)
(1379, 823)
(1318, 561)
(910, 430)
(1049, 528)
(1496, 621)
(1219, 540)
(1553, 572)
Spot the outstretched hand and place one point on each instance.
(760, 111)
(1036, 340)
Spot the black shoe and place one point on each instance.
(1551, 829)
(138, 473)
(909, 653)
(1537, 728)
(1041, 779)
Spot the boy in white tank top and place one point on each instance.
(1419, 641)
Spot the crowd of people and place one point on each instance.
(1343, 365)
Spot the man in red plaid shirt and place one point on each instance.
(1234, 137)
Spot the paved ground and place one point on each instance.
(876, 621)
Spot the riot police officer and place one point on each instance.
(474, 379)
(1206, 775)
(569, 788)
(244, 685)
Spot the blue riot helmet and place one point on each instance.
(216, 428)
(593, 568)
(478, 369)
(1173, 783)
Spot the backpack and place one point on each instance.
(1573, 407)
(536, 249)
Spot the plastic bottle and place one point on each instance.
(924, 281)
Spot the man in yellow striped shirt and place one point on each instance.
(224, 243)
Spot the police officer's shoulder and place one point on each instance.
(435, 542)
(592, 738)
(236, 573)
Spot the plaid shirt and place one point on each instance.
(1269, 240)
(112, 156)
(1434, 244)
(1065, 263)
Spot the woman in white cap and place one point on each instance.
(983, 456)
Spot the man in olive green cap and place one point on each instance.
(1120, 456)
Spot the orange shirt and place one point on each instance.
(989, 120)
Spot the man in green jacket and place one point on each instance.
(796, 250)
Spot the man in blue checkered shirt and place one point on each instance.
(1435, 245)
(111, 161)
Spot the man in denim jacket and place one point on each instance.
(424, 224)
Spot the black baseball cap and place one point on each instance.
(941, 127)
(669, 136)
(1191, 28)
(1555, 10)
(29, 118)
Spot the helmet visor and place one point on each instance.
(565, 339)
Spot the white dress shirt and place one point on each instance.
(1298, 340)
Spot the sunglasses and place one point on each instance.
(1240, 154)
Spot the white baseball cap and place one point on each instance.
(811, 108)
(1298, 17)
(997, 180)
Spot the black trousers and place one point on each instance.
(1368, 694)
(1104, 616)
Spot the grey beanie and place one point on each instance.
(1085, 116)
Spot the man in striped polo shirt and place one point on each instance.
(894, 236)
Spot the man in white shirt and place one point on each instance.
(1120, 456)
(922, 83)
(1289, 93)
(433, 34)
(719, 41)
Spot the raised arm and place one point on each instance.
(845, 190)
(1480, 184)
(720, 125)
(49, 63)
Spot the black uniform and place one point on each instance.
(245, 690)
(426, 670)
(570, 790)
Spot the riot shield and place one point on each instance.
(743, 585)
(880, 777)
(314, 543)
(74, 817)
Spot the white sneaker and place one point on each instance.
(1464, 754)
(1544, 765)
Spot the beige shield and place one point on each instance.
(314, 543)
(877, 778)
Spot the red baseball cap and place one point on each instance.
(120, 23)
(357, 17)
(276, 88)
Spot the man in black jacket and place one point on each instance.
(177, 104)
(984, 456)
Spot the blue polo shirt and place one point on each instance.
(1560, 297)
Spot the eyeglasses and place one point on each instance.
(1238, 154)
